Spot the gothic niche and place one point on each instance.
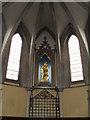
(44, 71)
(45, 63)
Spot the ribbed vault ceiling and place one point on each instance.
(53, 15)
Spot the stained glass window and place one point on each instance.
(75, 59)
(14, 58)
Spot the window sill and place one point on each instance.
(78, 83)
(11, 83)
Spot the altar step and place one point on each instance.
(26, 118)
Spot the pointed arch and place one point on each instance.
(14, 57)
(76, 69)
(66, 56)
(45, 35)
(45, 29)
(68, 31)
(25, 36)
